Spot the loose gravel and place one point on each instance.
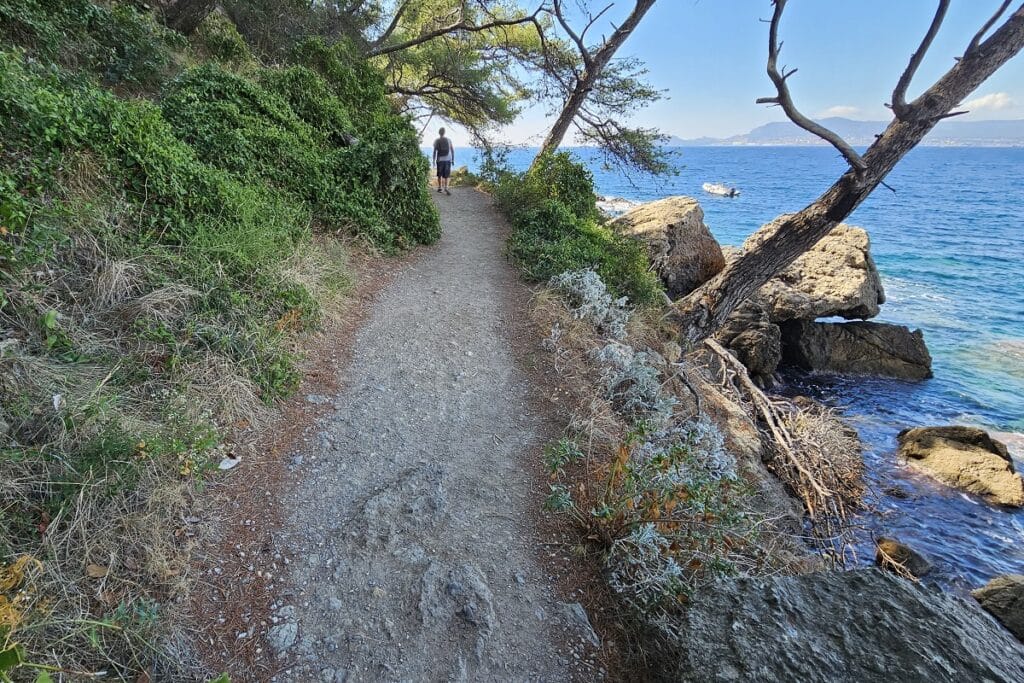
(414, 555)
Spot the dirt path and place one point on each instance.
(415, 558)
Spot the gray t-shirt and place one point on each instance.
(443, 144)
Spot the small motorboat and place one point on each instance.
(720, 189)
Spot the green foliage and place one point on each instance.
(120, 44)
(556, 229)
(218, 39)
(157, 259)
(294, 133)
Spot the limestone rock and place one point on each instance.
(862, 625)
(680, 246)
(1003, 598)
(862, 348)
(753, 339)
(893, 555)
(966, 458)
(837, 277)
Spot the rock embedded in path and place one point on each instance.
(836, 277)
(854, 626)
(1003, 598)
(898, 557)
(282, 637)
(681, 248)
(966, 458)
(860, 348)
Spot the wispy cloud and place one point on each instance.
(839, 110)
(997, 101)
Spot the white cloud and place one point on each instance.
(996, 101)
(839, 110)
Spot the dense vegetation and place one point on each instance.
(557, 228)
(171, 215)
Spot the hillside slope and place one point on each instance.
(173, 215)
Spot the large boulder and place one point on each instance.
(863, 625)
(680, 246)
(837, 277)
(966, 458)
(1003, 598)
(862, 348)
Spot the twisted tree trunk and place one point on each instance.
(593, 65)
(704, 310)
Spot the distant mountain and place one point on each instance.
(951, 133)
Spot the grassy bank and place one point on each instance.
(173, 216)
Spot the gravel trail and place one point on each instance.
(412, 552)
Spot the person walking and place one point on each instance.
(444, 156)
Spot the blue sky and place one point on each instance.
(709, 55)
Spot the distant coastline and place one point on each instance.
(1003, 133)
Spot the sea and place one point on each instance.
(948, 239)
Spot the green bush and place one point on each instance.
(556, 229)
(120, 44)
(293, 132)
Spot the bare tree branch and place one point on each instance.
(899, 94)
(976, 40)
(461, 26)
(704, 310)
(785, 100)
(392, 26)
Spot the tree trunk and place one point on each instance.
(594, 66)
(184, 16)
(705, 309)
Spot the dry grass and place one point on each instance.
(810, 451)
(108, 570)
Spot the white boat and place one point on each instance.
(720, 189)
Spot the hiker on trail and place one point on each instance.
(444, 156)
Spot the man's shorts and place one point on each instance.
(444, 169)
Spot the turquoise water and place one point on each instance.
(949, 243)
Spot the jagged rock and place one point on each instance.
(837, 277)
(681, 248)
(753, 339)
(966, 458)
(575, 616)
(893, 555)
(862, 625)
(862, 348)
(1003, 598)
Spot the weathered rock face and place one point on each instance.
(753, 339)
(1003, 598)
(680, 246)
(966, 458)
(861, 348)
(863, 625)
(837, 277)
(895, 556)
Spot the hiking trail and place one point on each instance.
(416, 555)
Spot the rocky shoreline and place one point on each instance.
(793, 322)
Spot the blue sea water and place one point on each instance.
(949, 242)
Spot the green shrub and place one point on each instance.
(120, 44)
(556, 229)
(219, 39)
(369, 184)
